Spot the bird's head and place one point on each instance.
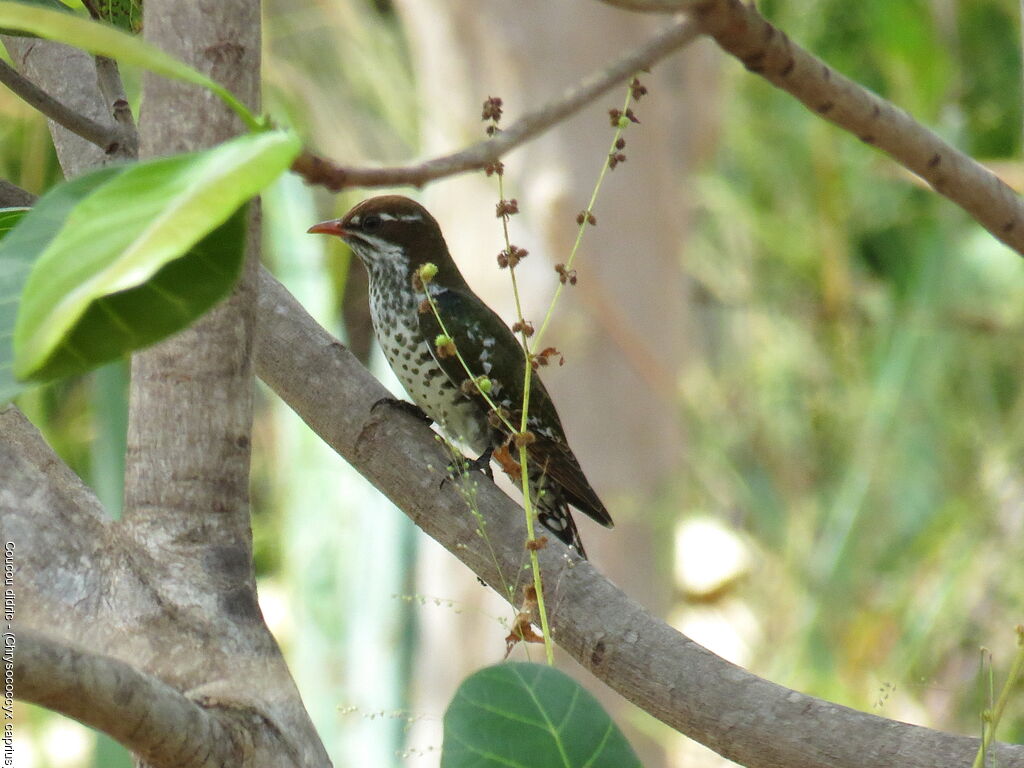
(390, 232)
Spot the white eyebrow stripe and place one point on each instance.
(402, 217)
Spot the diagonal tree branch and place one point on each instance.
(752, 721)
(743, 32)
(144, 714)
(13, 196)
(109, 138)
(318, 170)
(740, 30)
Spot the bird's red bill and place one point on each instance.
(332, 227)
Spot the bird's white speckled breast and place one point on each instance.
(396, 324)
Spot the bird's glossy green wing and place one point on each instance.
(484, 342)
(490, 349)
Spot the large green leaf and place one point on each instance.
(55, 5)
(531, 716)
(181, 291)
(9, 217)
(37, 227)
(105, 40)
(12, 276)
(126, 234)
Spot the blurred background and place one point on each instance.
(791, 372)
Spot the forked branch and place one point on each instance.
(110, 138)
(143, 713)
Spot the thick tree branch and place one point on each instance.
(741, 31)
(56, 525)
(108, 138)
(144, 714)
(318, 170)
(13, 196)
(149, 594)
(745, 718)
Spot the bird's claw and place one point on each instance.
(482, 464)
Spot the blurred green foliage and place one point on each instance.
(857, 406)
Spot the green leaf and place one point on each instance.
(181, 291)
(12, 276)
(531, 716)
(36, 227)
(56, 5)
(124, 236)
(123, 14)
(105, 40)
(9, 217)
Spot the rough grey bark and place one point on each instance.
(12, 196)
(169, 592)
(190, 416)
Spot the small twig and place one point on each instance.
(108, 78)
(13, 196)
(109, 138)
(651, 6)
(144, 714)
(318, 170)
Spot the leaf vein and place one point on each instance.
(489, 755)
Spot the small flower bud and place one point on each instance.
(492, 109)
(427, 272)
(506, 208)
(444, 345)
(565, 275)
(511, 256)
(524, 326)
(523, 439)
(497, 419)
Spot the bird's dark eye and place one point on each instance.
(371, 222)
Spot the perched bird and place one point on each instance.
(394, 236)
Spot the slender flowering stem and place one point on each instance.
(465, 366)
(993, 716)
(535, 564)
(586, 215)
(524, 471)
